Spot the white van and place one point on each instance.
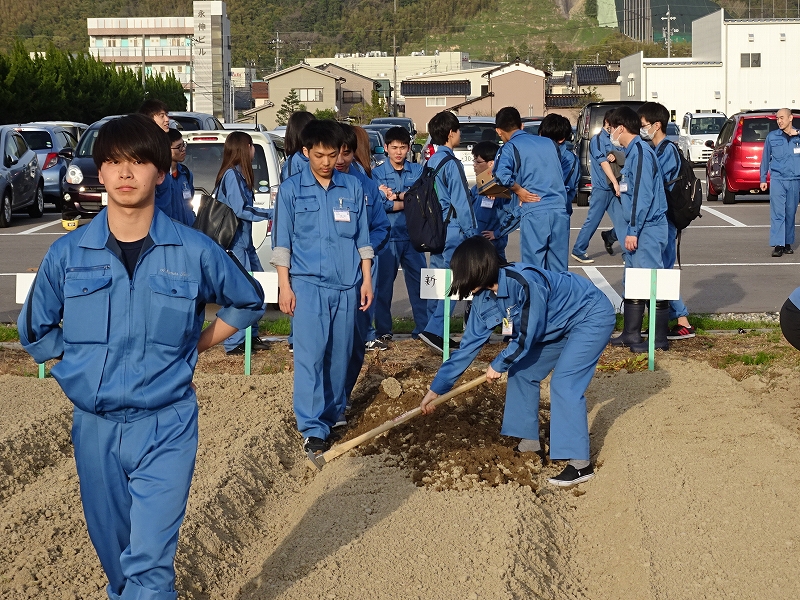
(204, 158)
(696, 129)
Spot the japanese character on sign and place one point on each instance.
(201, 26)
(201, 14)
(430, 280)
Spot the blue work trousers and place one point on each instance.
(676, 307)
(784, 195)
(599, 202)
(249, 260)
(573, 360)
(134, 481)
(324, 322)
(394, 255)
(363, 329)
(544, 238)
(442, 261)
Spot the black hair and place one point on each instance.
(350, 138)
(397, 134)
(508, 119)
(607, 116)
(654, 112)
(441, 125)
(174, 135)
(152, 107)
(555, 127)
(626, 117)
(322, 132)
(133, 137)
(475, 264)
(485, 150)
(294, 127)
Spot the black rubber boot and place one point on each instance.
(662, 329)
(633, 313)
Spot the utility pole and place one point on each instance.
(143, 61)
(192, 42)
(668, 31)
(394, 49)
(277, 41)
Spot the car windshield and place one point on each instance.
(472, 133)
(38, 139)
(374, 139)
(672, 129)
(531, 126)
(706, 125)
(86, 145)
(205, 157)
(187, 123)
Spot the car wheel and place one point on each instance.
(582, 199)
(728, 197)
(5, 210)
(711, 193)
(37, 209)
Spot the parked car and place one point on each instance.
(734, 166)
(21, 181)
(673, 133)
(280, 131)
(245, 126)
(48, 141)
(280, 146)
(696, 129)
(590, 120)
(531, 124)
(194, 121)
(396, 122)
(74, 127)
(473, 130)
(84, 196)
(204, 157)
(381, 129)
(377, 148)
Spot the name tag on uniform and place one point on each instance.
(187, 194)
(623, 187)
(508, 327)
(341, 215)
(487, 202)
(797, 150)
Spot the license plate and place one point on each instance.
(104, 198)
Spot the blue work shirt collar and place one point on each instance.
(162, 231)
(502, 284)
(445, 149)
(307, 178)
(636, 139)
(516, 133)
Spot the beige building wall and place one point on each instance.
(520, 89)
(417, 111)
(353, 83)
(304, 78)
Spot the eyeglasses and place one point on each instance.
(180, 147)
(478, 161)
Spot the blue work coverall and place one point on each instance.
(669, 162)
(491, 214)
(602, 195)
(324, 259)
(782, 159)
(378, 225)
(452, 190)
(293, 164)
(234, 192)
(571, 173)
(398, 252)
(533, 163)
(644, 207)
(561, 323)
(174, 195)
(129, 349)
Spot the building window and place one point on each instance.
(484, 90)
(163, 69)
(111, 42)
(134, 41)
(436, 101)
(751, 60)
(154, 41)
(179, 69)
(631, 86)
(352, 97)
(176, 42)
(310, 94)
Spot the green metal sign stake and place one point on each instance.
(248, 344)
(41, 371)
(446, 345)
(651, 325)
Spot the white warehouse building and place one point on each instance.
(736, 64)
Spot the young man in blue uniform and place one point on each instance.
(490, 213)
(378, 225)
(529, 166)
(174, 196)
(453, 194)
(394, 176)
(122, 301)
(558, 129)
(654, 117)
(605, 189)
(641, 223)
(558, 322)
(782, 159)
(320, 238)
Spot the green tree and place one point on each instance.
(364, 113)
(325, 113)
(290, 105)
(591, 9)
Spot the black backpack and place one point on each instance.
(686, 196)
(427, 231)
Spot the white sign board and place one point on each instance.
(431, 285)
(24, 283)
(637, 284)
(268, 281)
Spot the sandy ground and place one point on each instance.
(695, 495)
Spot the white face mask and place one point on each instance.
(644, 134)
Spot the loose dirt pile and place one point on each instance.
(696, 495)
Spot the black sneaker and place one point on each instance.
(386, 337)
(237, 351)
(777, 252)
(571, 476)
(607, 241)
(681, 332)
(315, 445)
(259, 344)
(787, 249)
(434, 341)
(375, 345)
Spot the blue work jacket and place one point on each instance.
(781, 156)
(542, 306)
(490, 218)
(669, 161)
(644, 201)
(293, 164)
(130, 344)
(599, 149)
(384, 174)
(377, 220)
(307, 238)
(169, 195)
(570, 172)
(234, 192)
(452, 190)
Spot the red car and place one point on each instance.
(735, 163)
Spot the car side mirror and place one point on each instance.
(416, 148)
(710, 143)
(378, 150)
(66, 153)
(9, 161)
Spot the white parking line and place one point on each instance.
(724, 217)
(596, 278)
(38, 227)
(776, 263)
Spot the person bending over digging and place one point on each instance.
(558, 322)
